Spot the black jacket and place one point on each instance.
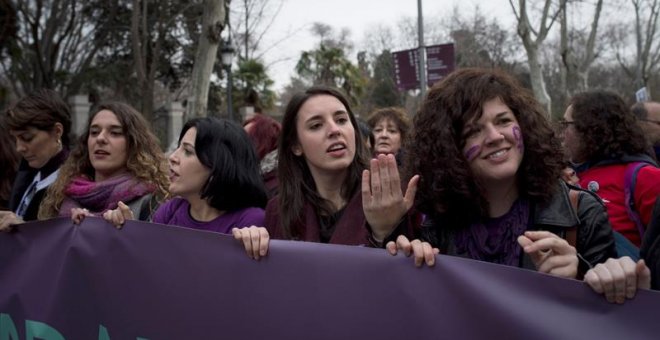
(24, 178)
(650, 250)
(595, 242)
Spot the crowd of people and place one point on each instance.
(480, 172)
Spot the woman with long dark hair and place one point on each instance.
(326, 193)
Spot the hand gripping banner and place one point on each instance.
(150, 281)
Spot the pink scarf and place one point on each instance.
(101, 196)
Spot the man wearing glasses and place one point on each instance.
(648, 115)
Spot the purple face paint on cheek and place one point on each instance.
(472, 152)
(517, 135)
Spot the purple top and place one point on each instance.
(176, 212)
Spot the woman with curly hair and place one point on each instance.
(490, 187)
(390, 127)
(602, 137)
(117, 159)
(326, 193)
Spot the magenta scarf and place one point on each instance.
(101, 196)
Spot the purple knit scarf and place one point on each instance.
(101, 196)
(496, 239)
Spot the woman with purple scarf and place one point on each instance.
(117, 159)
(490, 188)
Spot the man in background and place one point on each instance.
(648, 115)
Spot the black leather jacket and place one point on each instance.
(595, 242)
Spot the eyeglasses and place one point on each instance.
(651, 121)
(565, 123)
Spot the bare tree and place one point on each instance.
(147, 45)
(251, 21)
(575, 74)
(532, 40)
(647, 47)
(54, 43)
(156, 40)
(213, 22)
(480, 43)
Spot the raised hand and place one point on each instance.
(383, 203)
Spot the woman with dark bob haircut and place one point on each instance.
(326, 194)
(607, 146)
(214, 175)
(490, 183)
(40, 123)
(117, 160)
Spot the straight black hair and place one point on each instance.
(225, 148)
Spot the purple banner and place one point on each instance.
(406, 69)
(439, 62)
(59, 281)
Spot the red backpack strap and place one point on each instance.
(571, 233)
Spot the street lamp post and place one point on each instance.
(422, 49)
(227, 54)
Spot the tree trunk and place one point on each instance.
(577, 70)
(213, 23)
(139, 59)
(536, 77)
(532, 46)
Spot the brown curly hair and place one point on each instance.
(397, 116)
(447, 185)
(606, 127)
(145, 160)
